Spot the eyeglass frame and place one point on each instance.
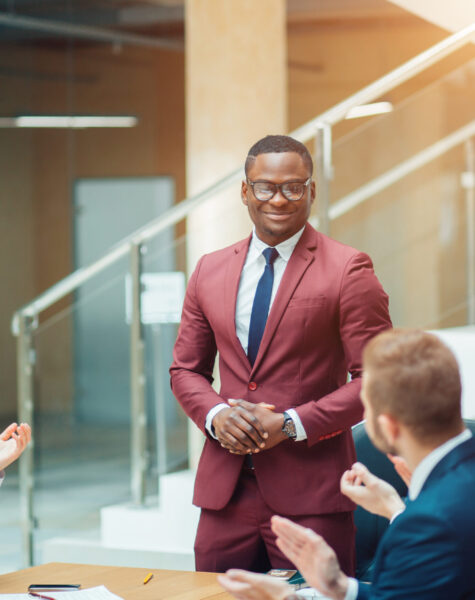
(278, 187)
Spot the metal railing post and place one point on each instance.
(468, 183)
(25, 383)
(160, 405)
(324, 174)
(138, 418)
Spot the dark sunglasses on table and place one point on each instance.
(291, 190)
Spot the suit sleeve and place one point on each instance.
(364, 591)
(191, 373)
(363, 313)
(419, 560)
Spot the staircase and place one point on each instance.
(159, 535)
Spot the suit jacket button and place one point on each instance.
(252, 386)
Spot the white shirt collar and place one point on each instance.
(284, 249)
(426, 466)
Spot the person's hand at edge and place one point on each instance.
(370, 492)
(254, 586)
(312, 556)
(13, 441)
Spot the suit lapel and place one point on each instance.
(301, 259)
(233, 275)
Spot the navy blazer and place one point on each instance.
(429, 550)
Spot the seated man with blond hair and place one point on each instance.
(411, 393)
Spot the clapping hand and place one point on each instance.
(13, 441)
(312, 556)
(370, 492)
(244, 585)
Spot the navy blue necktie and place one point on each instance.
(260, 306)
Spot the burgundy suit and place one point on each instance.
(328, 305)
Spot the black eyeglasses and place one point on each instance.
(291, 190)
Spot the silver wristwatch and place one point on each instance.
(289, 426)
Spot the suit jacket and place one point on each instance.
(428, 551)
(328, 305)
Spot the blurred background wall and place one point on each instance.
(327, 50)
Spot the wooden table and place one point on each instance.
(124, 581)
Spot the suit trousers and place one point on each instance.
(240, 535)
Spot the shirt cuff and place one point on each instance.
(299, 429)
(352, 589)
(396, 515)
(210, 416)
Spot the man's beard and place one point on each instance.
(378, 440)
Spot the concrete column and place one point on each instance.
(235, 94)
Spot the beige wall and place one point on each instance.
(16, 251)
(236, 86)
(330, 59)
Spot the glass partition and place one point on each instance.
(164, 282)
(384, 141)
(82, 422)
(82, 409)
(415, 230)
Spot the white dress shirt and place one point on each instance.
(419, 477)
(251, 273)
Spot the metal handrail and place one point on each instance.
(87, 32)
(382, 182)
(304, 134)
(72, 281)
(384, 84)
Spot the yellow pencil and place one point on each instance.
(148, 578)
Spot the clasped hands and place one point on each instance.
(247, 428)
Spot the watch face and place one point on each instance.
(289, 427)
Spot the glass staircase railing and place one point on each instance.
(82, 386)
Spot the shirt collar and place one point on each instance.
(426, 466)
(284, 249)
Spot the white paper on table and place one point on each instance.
(96, 593)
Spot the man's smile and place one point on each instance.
(278, 216)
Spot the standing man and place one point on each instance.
(289, 311)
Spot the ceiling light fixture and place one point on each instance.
(368, 110)
(68, 122)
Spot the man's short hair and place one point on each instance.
(278, 143)
(414, 377)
